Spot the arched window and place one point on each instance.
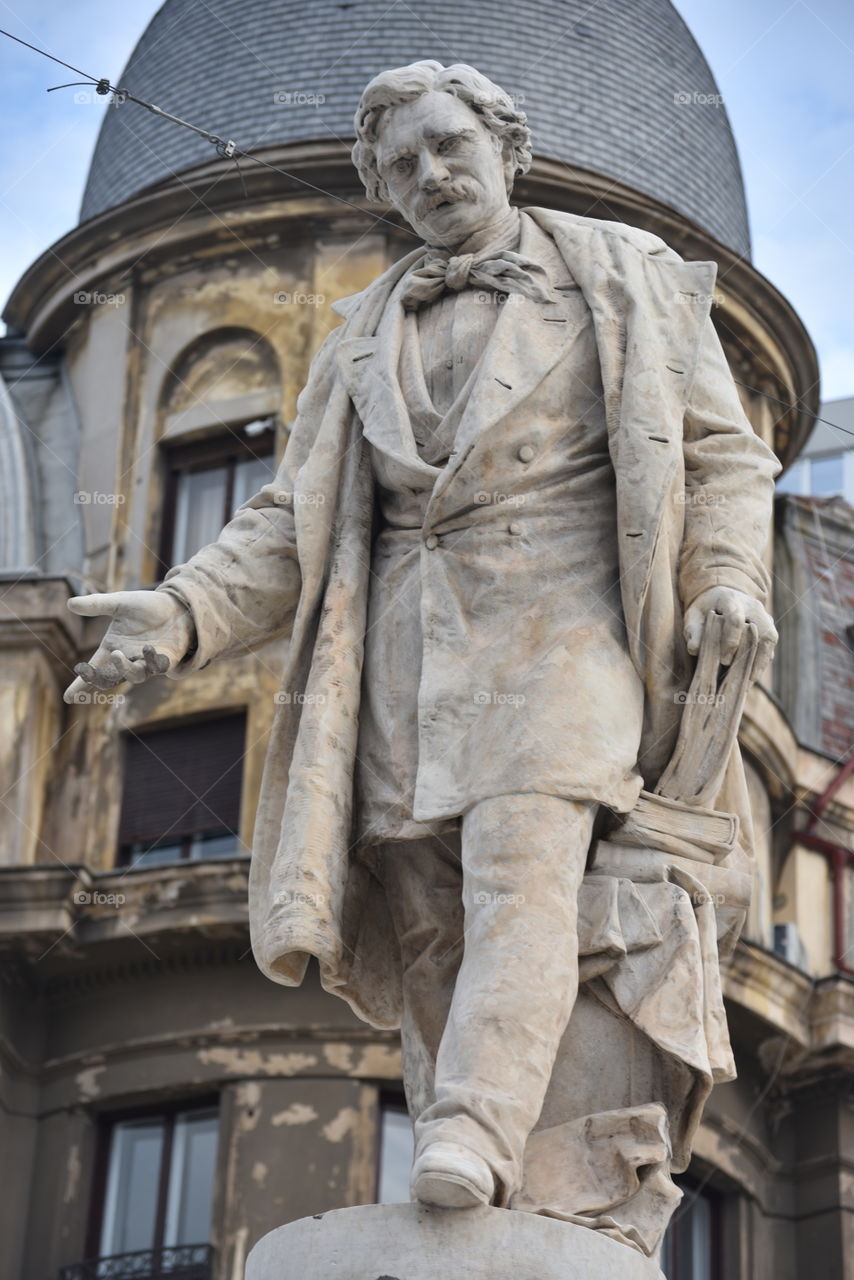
(219, 413)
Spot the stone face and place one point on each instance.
(411, 1242)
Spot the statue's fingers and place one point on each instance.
(77, 691)
(764, 654)
(132, 669)
(100, 673)
(103, 604)
(156, 664)
(731, 634)
(693, 630)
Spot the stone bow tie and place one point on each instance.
(504, 271)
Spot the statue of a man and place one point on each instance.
(519, 482)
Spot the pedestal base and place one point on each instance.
(415, 1242)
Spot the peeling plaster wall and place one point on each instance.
(275, 1172)
(297, 1076)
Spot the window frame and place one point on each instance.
(693, 1186)
(106, 1124)
(182, 457)
(389, 1100)
(123, 857)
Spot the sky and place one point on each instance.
(785, 69)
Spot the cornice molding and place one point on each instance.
(205, 211)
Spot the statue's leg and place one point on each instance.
(523, 861)
(423, 884)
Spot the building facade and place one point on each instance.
(162, 1102)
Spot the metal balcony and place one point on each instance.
(177, 1262)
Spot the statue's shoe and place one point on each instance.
(451, 1177)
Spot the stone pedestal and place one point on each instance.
(415, 1242)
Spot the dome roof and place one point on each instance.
(620, 88)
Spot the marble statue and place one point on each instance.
(503, 805)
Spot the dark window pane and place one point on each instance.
(827, 476)
(250, 475)
(159, 1187)
(396, 1151)
(207, 481)
(130, 1210)
(690, 1247)
(224, 845)
(796, 479)
(182, 785)
(191, 1178)
(199, 510)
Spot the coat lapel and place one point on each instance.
(649, 310)
(369, 368)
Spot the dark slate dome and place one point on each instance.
(619, 87)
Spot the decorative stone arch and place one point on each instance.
(224, 376)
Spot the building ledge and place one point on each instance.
(53, 916)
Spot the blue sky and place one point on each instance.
(785, 70)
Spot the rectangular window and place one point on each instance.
(154, 1196)
(827, 476)
(181, 793)
(205, 484)
(796, 479)
(692, 1245)
(396, 1152)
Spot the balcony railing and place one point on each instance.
(177, 1262)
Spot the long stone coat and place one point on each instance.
(296, 558)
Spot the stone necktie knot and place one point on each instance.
(503, 271)
(458, 270)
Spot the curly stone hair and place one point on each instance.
(405, 84)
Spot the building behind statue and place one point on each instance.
(159, 1097)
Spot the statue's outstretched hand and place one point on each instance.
(737, 609)
(150, 632)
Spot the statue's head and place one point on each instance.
(441, 144)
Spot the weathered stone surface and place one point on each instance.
(595, 404)
(412, 1242)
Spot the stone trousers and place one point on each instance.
(487, 923)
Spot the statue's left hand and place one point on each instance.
(737, 609)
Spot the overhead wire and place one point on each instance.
(225, 147)
(229, 150)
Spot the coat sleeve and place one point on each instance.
(243, 589)
(729, 485)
